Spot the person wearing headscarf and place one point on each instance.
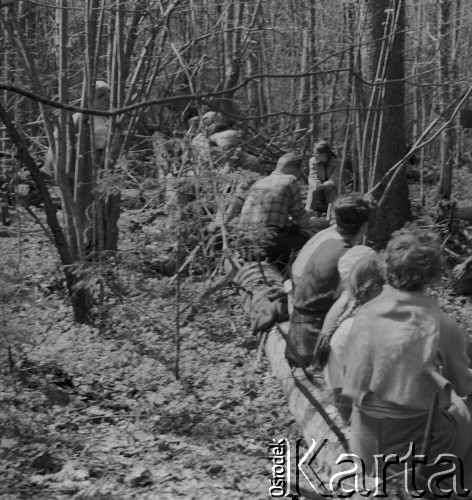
(407, 358)
(362, 274)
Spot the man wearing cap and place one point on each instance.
(323, 178)
(315, 275)
(273, 213)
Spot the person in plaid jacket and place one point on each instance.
(273, 213)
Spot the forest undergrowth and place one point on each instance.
(97, 412)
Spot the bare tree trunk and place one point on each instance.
(231, 52)
(303, 122)
(386, 25)
(256, 92)
(17, 39)
(80, 297)
(308, 95)
(356, 30)
(444, 74)
(313, 82)
(264, 86)
(417, 22)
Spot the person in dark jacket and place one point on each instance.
(315, 275)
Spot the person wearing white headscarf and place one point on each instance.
(362, 275)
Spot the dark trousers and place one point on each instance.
(319, 199)
(281, 243)
(276, 245)
(452, 433)
(303, 335)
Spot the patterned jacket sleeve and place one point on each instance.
(296, 209)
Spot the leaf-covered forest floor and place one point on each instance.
(96, 412)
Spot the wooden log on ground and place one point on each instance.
(313, 424)
(321, 420)
(308, 401)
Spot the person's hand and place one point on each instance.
(318, 223)
(273, 308)
(328, 184)
(276, 292)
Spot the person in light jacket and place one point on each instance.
(323, 178)
(403, 354)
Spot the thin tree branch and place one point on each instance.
(26, 159)
(393, 171)
(167, 100)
